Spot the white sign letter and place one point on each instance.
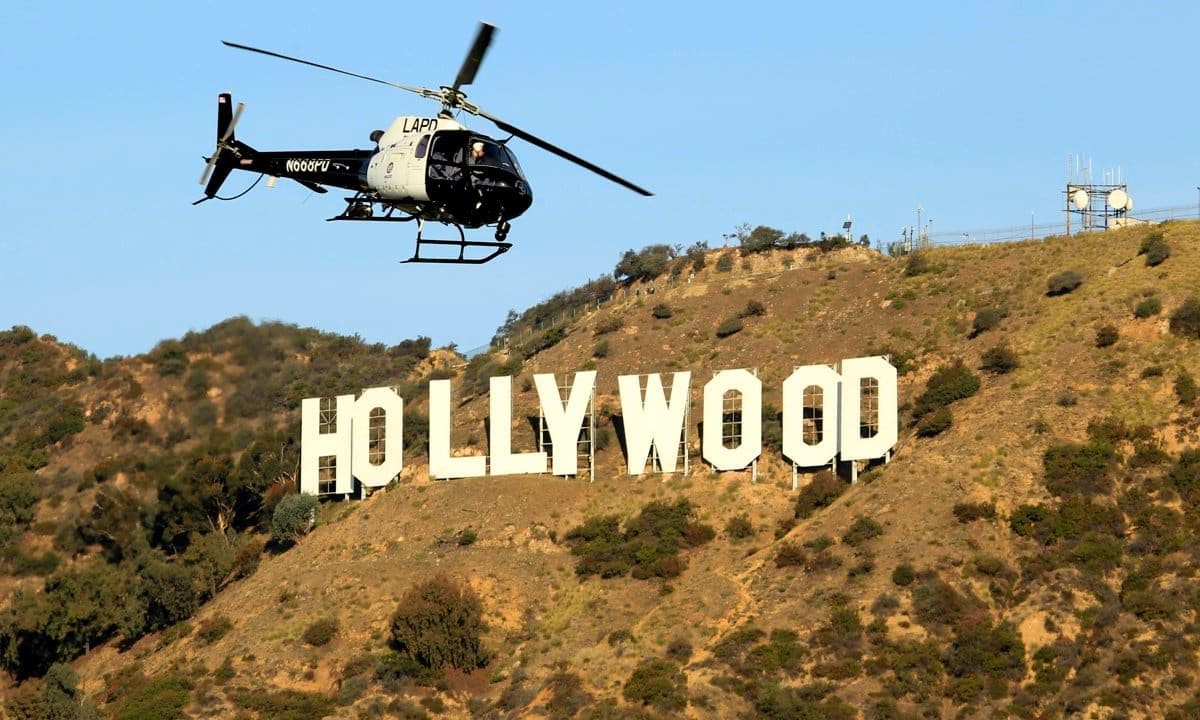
(389, 447)
(713, 447)
(504, 460)
(441, 464)
(656, 422)
(811, 377)
(325, 442)
(564, 423)
(859, 377)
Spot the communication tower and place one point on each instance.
(1095, 204)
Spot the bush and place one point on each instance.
(1000, 359)
(321, 632)
(725, 263)
(213, 629)
(1185, 321)
(790, 555)
(947, 384)
(648, 546)
(936, 603)
(824, 488)
(1107, 336)
(862, 530)
(162, 698)
(1185, 388)
(968, 512)
(1063, 283)
(903, 575)
(1155, 248)
(285, 704)
(1147, 308)
(935, 423)
(918, 264)
(294, 516)
(659, 684)
(662, 311)
(729, 327)
(984, 649)
(739, 527)
(439, 624)
(609, 324)
(754, 308)
(601, 349)
(1073, 468)
(986, 319)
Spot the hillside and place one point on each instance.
(1028, 552)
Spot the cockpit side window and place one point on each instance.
(422, 146)
(447, 148)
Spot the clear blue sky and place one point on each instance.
(786, 114)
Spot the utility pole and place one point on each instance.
(1031, 216)
(919, 226)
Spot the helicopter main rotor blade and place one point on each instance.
(550, 147)
(470, 66)
(424, 92)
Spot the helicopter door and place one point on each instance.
(415, 169)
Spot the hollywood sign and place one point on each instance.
(345, 438)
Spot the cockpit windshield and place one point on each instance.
(488, 153)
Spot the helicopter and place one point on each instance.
(422, 169)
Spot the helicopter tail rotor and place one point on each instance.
(223, 159)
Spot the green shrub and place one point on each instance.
(936, 422)
(936, 603)
(918, 264)
(903, 575)
(725, 263)
(321, 632)
(161, 698)
(824, 488)
(1063, 283)
(861, 530)
(439, 624)
(648, 546)
(739, 527)
(981, 648)
(1075, 468)
(213, 629)
(169, 358)
(968, 512)
(947, 384)
(754, 308)
(1185, 321)
(662, 311)
(1000, 360)
(600, 350)
(659, 684)
(790, 554)
(608, 324)
(294, 516)
(986, 319)
(1107, 336)
(1155, 248)
(680, 650)
(729, 327)
(1147, 308)
(1185, 388)
(285, 704)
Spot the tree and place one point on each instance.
(439, 624)
(294, 516)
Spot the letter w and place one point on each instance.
(654, 422)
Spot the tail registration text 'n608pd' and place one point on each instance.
(309, 165)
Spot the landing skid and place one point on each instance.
(360, 208)
(497, 248)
